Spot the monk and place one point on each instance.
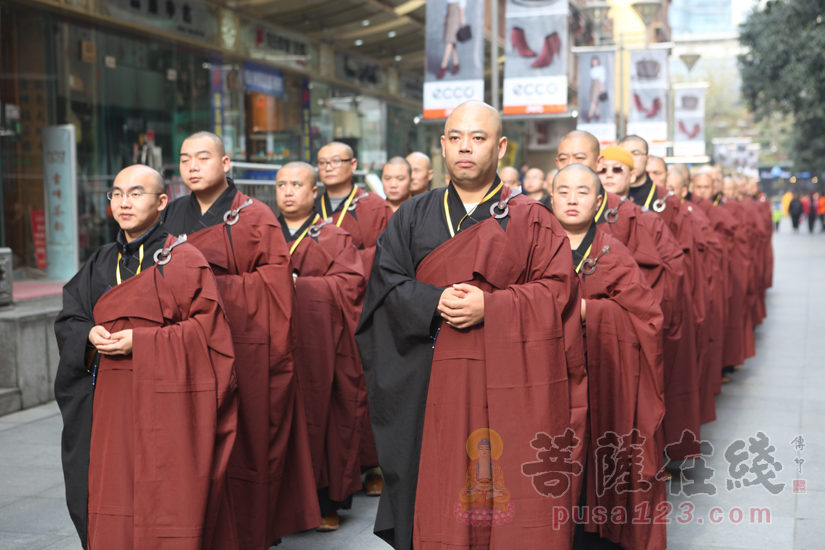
(657, 171)
(422, 172)
(724, 226)
(471, 330)
(533, 185)
(330, 285)
(146, 378)
(273, 487)
(681, 371)
(396, 177)
(623, 325)
(710, 333)
(363, 215)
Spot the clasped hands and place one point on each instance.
(462, 306)
(118, 343)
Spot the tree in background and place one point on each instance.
(783, 72)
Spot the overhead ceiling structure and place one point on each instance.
(388, 31)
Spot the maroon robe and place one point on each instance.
(372, 213)
(330, 290)
(273, 486)
(165, 416)
(521, 373)
(623, 334)
(726, 226)
(715, 320)
(742, 261)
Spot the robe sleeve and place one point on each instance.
(185, 402)
(549, 300)
(74, 391)
(393, 338)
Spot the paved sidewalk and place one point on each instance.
(779, 392)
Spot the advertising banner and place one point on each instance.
(454, 71)
(689, 118)
(60, 182)
(648, 98)
(597, 100)
(535, 72)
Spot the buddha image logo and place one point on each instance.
(484, 500)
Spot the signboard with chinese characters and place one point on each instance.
(60, 182)
(360, 71)
(535, 73)
(186, 18)
(267, 43)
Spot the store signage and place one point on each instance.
(60, 182)
(190, 19)
(648, 98)
(535, 71)
(360, 71)
(38, 218)
(454, 64)
(689, 118)
(597, 96)
(261, 79)
(270, 44)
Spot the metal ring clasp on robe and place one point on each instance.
(315, 230)
(589, 267)
(353, 204)
(502, 207)
(234, 213)
(659, 204)
(611, 215)
(166, 253)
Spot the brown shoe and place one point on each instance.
(736, 367)
(329, 522)
(725, 380)
(373, 485)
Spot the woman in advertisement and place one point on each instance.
(598, 77)
(454, 20)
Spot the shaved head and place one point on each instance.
(580, 148)
(509, 176)
(220, 149)
(418, 156)
(148, 178)
(582, 173)
(657, 170)
(476, 108)
(307, 169)
(472, 146)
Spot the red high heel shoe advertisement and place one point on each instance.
(689, 117)
(648, 98)
(535, 71)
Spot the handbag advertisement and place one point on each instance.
(648, 98)
(597, 98)
(689, 118)
(535, 70)
(455, 55)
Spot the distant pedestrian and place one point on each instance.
(813, 199)
(820, 210)
(795, 210)
(776, 215)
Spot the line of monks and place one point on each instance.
(227, 375)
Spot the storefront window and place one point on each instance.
(352, 118)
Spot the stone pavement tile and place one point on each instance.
(28, 481)
(40, 432)
(10, 540)
(777, 535)
(32, 414)
(360, 519)
(810, 535)
(760, 410)
(811, 505)
(69, 543)
(58, 491)
(37, 515)
(5, 500)
(30, 455)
